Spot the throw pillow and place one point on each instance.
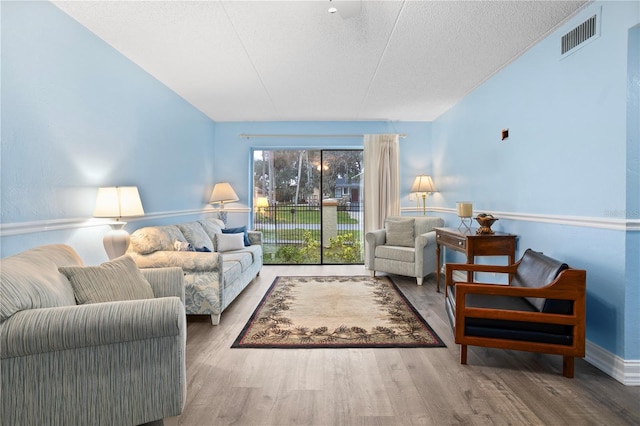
(228, 242)
(240, 229)
(119, 279)
(196, 235)
(400, 233)
(211, 228)
(182, 246)
(154, 238)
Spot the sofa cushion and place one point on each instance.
(119, 279)
(228, 242)
(245, 259)
(400, 232)
(31, 280)
(212, 227)
(196, 235)
(239, 230)
(231, 271)
(155, 238)
(402, 254)
(255, 250)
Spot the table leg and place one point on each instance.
(438, 267)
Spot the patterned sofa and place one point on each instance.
(110, 363)
(212, 279)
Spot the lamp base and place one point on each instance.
(222, 215)
(116, 241)
(463, 224)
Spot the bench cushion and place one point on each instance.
(503, 329)
(537, 270)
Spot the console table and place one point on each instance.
(472, 244)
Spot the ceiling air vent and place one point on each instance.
(588, 30)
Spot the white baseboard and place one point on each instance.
(626, 372)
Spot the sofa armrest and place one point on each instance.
(189, 261)
(373, 239)
(255, 237)
(425, 240)
(37, 331)
(166, 282)
(376, 238)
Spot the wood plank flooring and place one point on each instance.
(414, 386)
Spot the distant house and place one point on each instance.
(348, 190)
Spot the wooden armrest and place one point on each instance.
(569, 285)
(472, 267)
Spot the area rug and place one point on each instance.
(336, 312)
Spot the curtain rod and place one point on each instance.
(251, 136)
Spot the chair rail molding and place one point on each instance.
(19, 228)
(581, 221)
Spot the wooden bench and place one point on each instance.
(542, 309)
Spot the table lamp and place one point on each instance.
(422, 186)
(117, 202)
(465, 211)
(261, 204)
(223, 193)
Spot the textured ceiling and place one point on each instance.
(292, 60)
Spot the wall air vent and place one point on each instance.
(577, 37)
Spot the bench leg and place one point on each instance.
(567, 366)
(463, 354)
(215, 319)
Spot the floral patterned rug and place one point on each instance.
(335, 312)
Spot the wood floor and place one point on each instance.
(386, 386)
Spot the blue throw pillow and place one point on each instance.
(238, 230)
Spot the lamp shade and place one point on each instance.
(423, 183)
(223, 193)
(118, 201)
(262, 202)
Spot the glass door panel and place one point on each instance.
(307, 203)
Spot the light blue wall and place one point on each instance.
(566, 157)
(77, 115)
(232, 159)
(632, 313)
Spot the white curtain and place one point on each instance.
(381, 179)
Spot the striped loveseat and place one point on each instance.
(112, 363)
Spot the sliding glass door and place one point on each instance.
(308, 204)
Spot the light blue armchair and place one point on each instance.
(406, 246)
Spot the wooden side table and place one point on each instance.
(472, 244)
